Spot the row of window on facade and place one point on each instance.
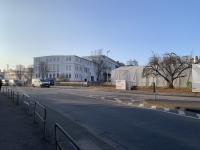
(82, 69)
(68, 68)
(67, 59)
(68, 76)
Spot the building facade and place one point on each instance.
(103, 66)
(69, 67)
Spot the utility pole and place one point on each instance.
(108, 51)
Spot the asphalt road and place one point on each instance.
(122, 126)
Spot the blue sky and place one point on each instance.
(129, 28)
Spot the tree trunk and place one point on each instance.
(170, 85)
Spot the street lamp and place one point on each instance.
(108, 51)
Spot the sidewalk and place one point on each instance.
(17, 131)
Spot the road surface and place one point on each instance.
(122, 126)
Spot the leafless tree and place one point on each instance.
(29, 74)
(100, 68)
(20, 70)
(170, 67)
(43, 69)
(133, 62)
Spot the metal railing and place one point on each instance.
(12, 94)
(26, 103)
(40, 112)
(42, 117)
(58, 143)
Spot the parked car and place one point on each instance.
(19, 82)
(40, 83)
(5, 82)
(51, 81)
(12, 82)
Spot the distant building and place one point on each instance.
(103, 66)
(69, 67)
(74, 68)
(10, 75)
(21, 73)
(1, 75)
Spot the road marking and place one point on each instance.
(117, 100)
(198, 115)
(27, 103)
(141, 105)
(181, 112)
(166, 109)
(153, 107)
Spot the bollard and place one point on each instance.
(44, 125)
(17, 102)
(13, 97)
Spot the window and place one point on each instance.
(57, 68)
(69, 75)
(69, 58)
(57, 75)
(86, 70)
(81, 69)
(58, 59)
(76, 75)
(76, 68)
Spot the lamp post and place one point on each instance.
(108, 51)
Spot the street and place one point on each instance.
(110, 117)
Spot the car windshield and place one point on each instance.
(44, 80)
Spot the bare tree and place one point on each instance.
(170, 67)
(133, 62)
(20, 70)
(100, 68)
(43, 69)
(29, 74)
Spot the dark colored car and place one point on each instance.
(45, 83)
(51, 81)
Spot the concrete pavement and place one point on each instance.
(17, 131)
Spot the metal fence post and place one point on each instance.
(13, 95)
(45, 116)
(55, 136)
(17, 101)
(34, 113)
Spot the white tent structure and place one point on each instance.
(133, 76)
(196, 78)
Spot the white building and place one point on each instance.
(105, 64)
(71, 67)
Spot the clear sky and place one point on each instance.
(129, 28)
